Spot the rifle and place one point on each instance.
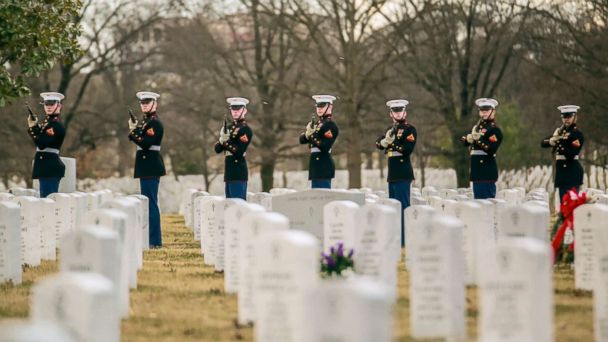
(32, 115)
(313, 120)
(133, 118)
(225, 127)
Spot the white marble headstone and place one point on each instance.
(10, 243)
(587, 220)
(253, 225)
(600, 275)
(516, 291)
(30, 229)
(287, 267)
(437, 284)
(339, 224)
(82, 302)
(304, 209)
(96, 249)
(116, 220)
(232, 222)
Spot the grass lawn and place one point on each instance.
(180, 299)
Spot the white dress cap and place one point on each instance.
(484, 102)
(397, 103)
(237, 101)
(324, 98)
(52, 96)
(568, 109)
(142, 95)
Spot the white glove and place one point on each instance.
(31, 123)
(309, 130)
(132, 125)
(384, 143)
(476, 135)
(474, 129)
(554, 139)
(556, 132)
(470, 138)
(389, 137)
(224, 136)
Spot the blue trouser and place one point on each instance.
(320, 183)
(149, 188)
(484, 190)
(236, 189)
(564, 190)
(48, 186)
(401, 192)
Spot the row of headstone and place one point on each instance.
(273, 266)
(31, 227)
(514, 278)
(98, 265)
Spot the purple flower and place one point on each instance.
(340, 249)
(351, 252)
(331, 250)
(330, 262)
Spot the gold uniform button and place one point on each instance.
(41, 158)
(401, 160)
(317, 158)
(236, 161)
(481, 161)
(564, 165)
(143, 157)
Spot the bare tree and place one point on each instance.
(350, 57)
(458, 51)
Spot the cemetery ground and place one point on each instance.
(180, 299)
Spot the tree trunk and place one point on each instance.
(267, 173)
(353, 164)
(460, 163)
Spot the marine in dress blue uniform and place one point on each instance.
(398, 143)
(320, 135)
(483, 143)
(233, 142)
(147, 134)
(48, 137)
(566, 143)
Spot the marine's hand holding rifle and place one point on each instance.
(558, 135)
(476, 133)
(224, 133)
(32, 119)
(389, 138)
(310, 127)
(132, 120)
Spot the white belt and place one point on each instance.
(394, 154)
(48, 149)
(152, 148)
(316, 150)
(562, 157)
(479, 153)
(228, 153)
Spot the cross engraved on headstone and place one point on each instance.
(275, 252)
(59, 306)
(515, 218)
(415, 214)
(504, 260)
(589, 216)
(336, 211)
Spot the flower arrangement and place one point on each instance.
(336, 262)
(562, 234)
